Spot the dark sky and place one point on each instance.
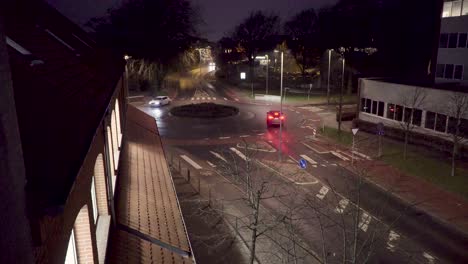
(220, 16)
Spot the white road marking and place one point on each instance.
(198, 98)
(361, 155)
(392, 237)
(342, 205)
(203, 98)
(218, 156)
(315, 166)
(240, 154)
(306, 183)
(236, 99)
(260, 134)
(323, 165)
(365, 221)
(225, 99)
(191, 162)
(429, 257)
(214, 98)
(311, 161)
(244, 136)
(316, 151)
(350, 156)
(211, 164)
(323, 191)
(224, 137)
(339, 155)
(193, 99)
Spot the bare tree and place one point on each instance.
(411, 101)
(458, 108)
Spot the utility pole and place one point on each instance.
(340, 107)
(328, 77)
(268, 63)
(281, 108)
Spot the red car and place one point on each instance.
(275, 118)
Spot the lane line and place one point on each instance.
(342, 205)
(323, 191)
(429, 257)
(211, 164)
(244, 136)
(339, 155)
(365, 221)
(260, 134)
(240, 154)
(224, 137)
(392, 238)
(218, 156)
(311, 161)
(361, 155)
(191, 162)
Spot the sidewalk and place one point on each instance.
(442, 206)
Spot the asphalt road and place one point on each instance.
(393, 231)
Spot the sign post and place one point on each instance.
(354, 130)
(302, 163)
(380, 133)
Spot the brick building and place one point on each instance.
(63, 118)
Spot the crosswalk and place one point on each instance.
(339, 204)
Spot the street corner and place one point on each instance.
(257, 145)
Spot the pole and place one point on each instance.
(380, 145)
(281, 107)
(308, 95)
(328, 76)
(341, 100)
(268, 63)
(352, 152)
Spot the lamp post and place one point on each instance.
(268, 64)
(281, 107)
(328, 77)
(340, 107)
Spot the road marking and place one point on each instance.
(240, 154)
(429, 257)
(339, 155)
(236, 99)
(333, 164)
(260, 134)
(315, 166)
(323, 191)
(191, 162)
(224, 137)
(203, 98)
(211, 164)
(342, 205)
(323, 165)
(350, 156)
(198, 98)
(193, 99)
(218, 156)
(225, 99)
(361, 155)
(306, 183)
(244, 136)
(365, 221)
(311, 161)
(319, 152)
(392, 237)
(214, 98)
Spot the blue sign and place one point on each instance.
(380, 129)
(303, 163)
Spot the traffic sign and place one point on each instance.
(355, 130)
(380, 129)
(303, 163)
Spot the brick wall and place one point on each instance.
(83, 238)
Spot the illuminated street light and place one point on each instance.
(281, 105)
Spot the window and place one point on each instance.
(430, 120)
(447, 10)
(453, 38)
(398, 112)
(390, 111)
(381, 109)
(407, 115)
(441, 123)
(440, 70)
(363, 104)
(443, 40)
(368, 105)
(417, 117)
(456, 8)
(71, 257)
(93, 200)
(448, 74)
(465, 8)
(462, 40)
(374, 107)
(458, 74)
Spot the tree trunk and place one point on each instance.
(454, 154)
(254, 229)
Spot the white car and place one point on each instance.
(160, 101)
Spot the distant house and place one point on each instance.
(61, 140)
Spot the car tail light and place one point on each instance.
(276, 114)
(270, 117)
(282, 117)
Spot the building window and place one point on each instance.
(448, 74)
(453, 39)
(440, 70)
(398, 112)
(93, 200)
(417, 117)
(456, 8)
(390, 111)
(441, 123)
(368, 105)
(430, 120)
(407, 115)
(374, 107)
(458, 74)
(380, 111)
(363, 104)
(71, 257)
(443, 40)
(447, 10)
(462, 40)
(465, 8)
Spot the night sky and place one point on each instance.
(220, 16)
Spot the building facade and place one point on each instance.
(452, 58)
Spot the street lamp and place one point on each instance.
(281, 106)
(340, 107)
(328, 76)
(268, 64)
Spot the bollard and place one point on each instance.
(188, 175)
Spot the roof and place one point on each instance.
(453, 86)
(148, 216)
(62, 89)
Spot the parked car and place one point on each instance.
(160, 101)
(275, 118)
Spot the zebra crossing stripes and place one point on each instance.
(342, 204)
(323, 191)
(365, 221)
(392, 237)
